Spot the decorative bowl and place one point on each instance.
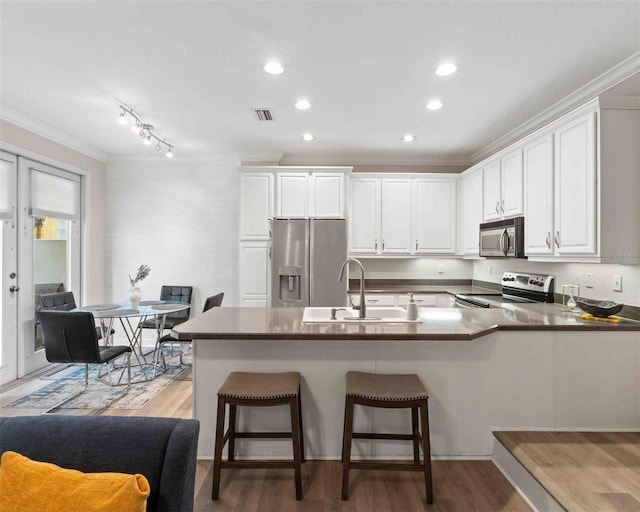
(601, 308)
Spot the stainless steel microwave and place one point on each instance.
(502, 238)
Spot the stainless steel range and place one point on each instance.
(516, 287)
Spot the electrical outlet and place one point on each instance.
(440, 269)
(617, 283)
(589, 280)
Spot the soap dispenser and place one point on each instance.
(412, 308)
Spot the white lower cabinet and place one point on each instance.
(432, 300)
(253, 273)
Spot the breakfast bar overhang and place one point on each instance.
(520, 368)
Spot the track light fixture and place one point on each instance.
(145, 131)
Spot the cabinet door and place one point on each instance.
(492, 194)
(435, 216)
(292, 195)
(575, 187)
(326, 197)
(472, 215)
(538, 171)
(396, 216)
(256, 203)
(511, 202)
(364, 218)
(253, 272)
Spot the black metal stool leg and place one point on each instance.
(346, 447)
(426, 447)
(217, 458)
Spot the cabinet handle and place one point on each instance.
(416, 245)
(383, 244)
(502, 206)
(376, 242)
(548, 240)
(372, 301)
(498, 207)
(557, 239)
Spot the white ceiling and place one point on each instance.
(194, 71)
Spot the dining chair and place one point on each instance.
(71, 337)
(62, 301)
(211, 302)
(172, 293)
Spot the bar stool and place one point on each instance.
(258, 390)
(387, 391)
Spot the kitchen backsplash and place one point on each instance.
(492, 270)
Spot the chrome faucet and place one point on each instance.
(363, 308)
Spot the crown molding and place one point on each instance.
(347, 159)
(598, 85)
(221, 159)
(48, 132)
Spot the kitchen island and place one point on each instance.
(523, 367)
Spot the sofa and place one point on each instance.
(161, 449)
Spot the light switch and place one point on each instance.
(617, 283)
(589, 280)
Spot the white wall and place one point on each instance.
(178, 217)
(571, 273)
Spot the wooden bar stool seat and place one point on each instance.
(249, 389)
(388, 391)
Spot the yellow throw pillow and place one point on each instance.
(30, 486)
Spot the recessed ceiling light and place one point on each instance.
(434, 105)
(308, 137)
(273, 67)
(409, 138)
(446, 69)
(303, 104)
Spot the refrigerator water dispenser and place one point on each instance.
(290, 281)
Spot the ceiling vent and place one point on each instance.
(263, 114)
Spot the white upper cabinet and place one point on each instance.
(538, 172)
(503, 195)
(326, 198)
(470, 206)
(492, 192)
(256, 205)
(292, 194)
(310, 194)
(364, 215)
(396, 218)
(435, 216)
(402, 215)
(575, 186)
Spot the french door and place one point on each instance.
(9, 268)
(40, 254)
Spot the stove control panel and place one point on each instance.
(531, 282)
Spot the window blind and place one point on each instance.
(55, 195)
(7, 189)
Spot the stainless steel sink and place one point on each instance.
(375, 315)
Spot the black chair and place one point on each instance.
(70, 337)
(177, 294)
(211, 302)
(63, 301)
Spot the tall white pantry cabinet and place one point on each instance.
(279, 191)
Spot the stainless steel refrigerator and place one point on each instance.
(306, 256)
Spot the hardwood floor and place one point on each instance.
(583, 471)
(464, 486)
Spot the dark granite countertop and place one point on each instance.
(437, 324)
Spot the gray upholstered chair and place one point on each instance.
(70, 337)
(161, 449)
(62, 301)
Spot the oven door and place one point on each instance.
(466, 302)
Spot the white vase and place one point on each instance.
(134, 297)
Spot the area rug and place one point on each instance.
(99, 395)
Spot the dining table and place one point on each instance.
(132, 318)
